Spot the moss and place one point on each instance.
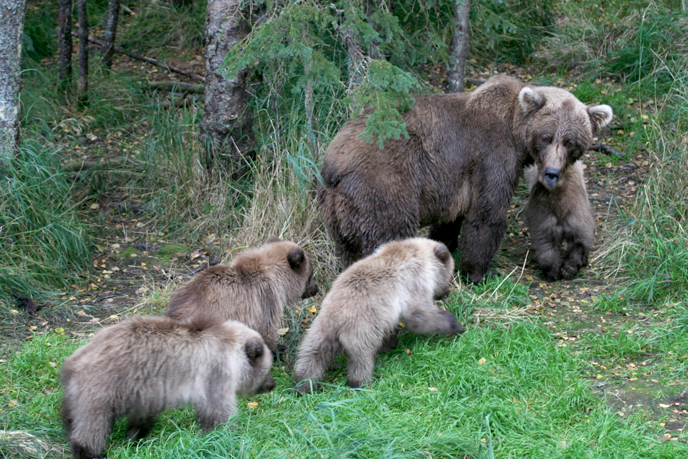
(173, 250)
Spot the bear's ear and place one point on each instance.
(296, 258)
(273, 239)
(253, 349)
(442, 252)
(600, 116)
(530, 100)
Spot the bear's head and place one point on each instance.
(557, 129)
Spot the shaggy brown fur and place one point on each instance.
(254, 289)
(361, 312)
(145, 365)
(457, 170)
(560, 215)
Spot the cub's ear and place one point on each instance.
(442, 252)
(253, 349)
(296, 258)
(530, 100)
(600, 116)
(273, 239)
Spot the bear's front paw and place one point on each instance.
(551, 273)
(569, 269)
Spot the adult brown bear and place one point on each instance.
(457, 170)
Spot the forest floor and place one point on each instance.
(137, 265)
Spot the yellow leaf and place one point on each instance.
(12, 403)
(313, 309)
(252, 405)
(482, 361)
(60, 331)
(282, 331)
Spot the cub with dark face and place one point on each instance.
(146, 365)
(361, 313)
(253, 289)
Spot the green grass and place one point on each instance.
(507, 388)
(514, 390)
(45, 245)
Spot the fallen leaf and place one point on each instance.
(662, 405)
(432, 389)
(12, 403)
(482, 361)
(313, 309)
(282, 331)
(252, 405)
(60, 331)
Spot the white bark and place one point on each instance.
(226, 122)
(11, 32)
(458, 49)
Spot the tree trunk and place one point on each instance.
(11, 33)
(110, 33)
(356, 60)
(65, 72)
(82, 83)
(458, 49)
(226, 124)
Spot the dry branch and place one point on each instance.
(156, 62)
(77, 166)
(177, 86)
(606, 149)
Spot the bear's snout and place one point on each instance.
(551, 177)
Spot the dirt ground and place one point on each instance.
(134, 262)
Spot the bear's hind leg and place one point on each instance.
(89, 433)
(360, 365)
(313, 361)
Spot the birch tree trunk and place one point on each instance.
(82, 82)
(65, 72)
(110, 35)
(458, 49)
(11, 33)
(226, 124)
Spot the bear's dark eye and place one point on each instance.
(569, 144)
(546, 138)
